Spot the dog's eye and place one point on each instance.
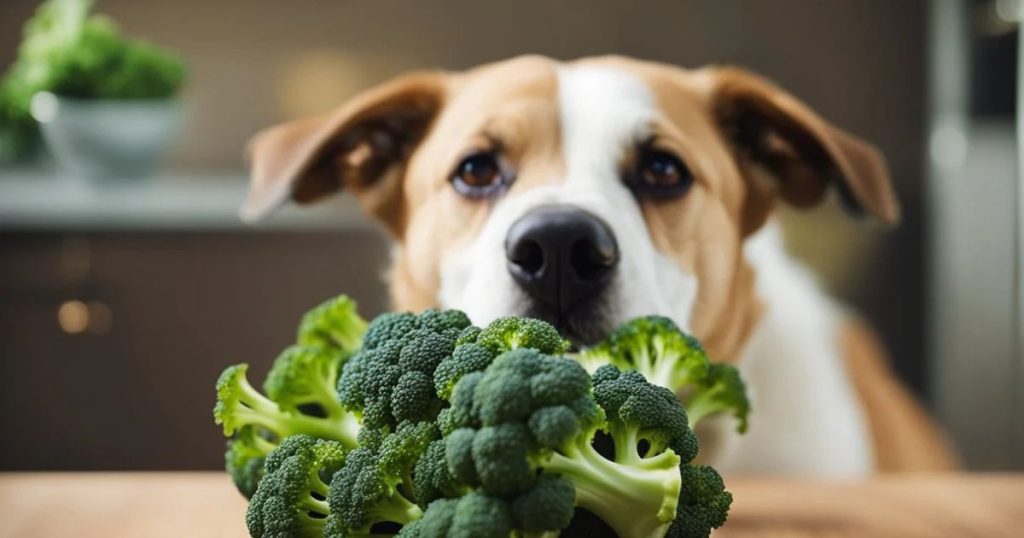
(479, 175)
(660, 174)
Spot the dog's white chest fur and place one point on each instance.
(806, 419)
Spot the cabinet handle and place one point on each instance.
(78, 317)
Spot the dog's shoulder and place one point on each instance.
(807, 418)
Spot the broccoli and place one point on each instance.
(241, 406)
(431, 477)
(666, 356)
(508, 333)
(376, 483)
(291, 498)
(334, 324)
(391, 378)
(722, 391)
(435, 428)
(244, 459)
(530, 414)
(703, 503)
(468, 357)
(304, 378)
(475, 515)
(69, 51)
(300, 392)
(655, 347)
(476, 348)
(642, 418)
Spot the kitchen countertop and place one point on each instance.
(205, 504)
(40, 200)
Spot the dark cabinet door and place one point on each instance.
(131, 387)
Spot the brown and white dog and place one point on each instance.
(590, 192)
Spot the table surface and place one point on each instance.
(206, 504)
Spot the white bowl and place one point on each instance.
(107, 139)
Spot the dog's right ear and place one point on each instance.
(361, 146)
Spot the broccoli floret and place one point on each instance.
(476, 348)
(334, 324)
(467, 357)
(509, 333)
(376, 485)
(547, 505)
(291, 498)
(722, 391)
(703, 503)
(391, 379)
(643, 418)
(244, 460)
(305, 377)
(668, 357)
(530, 414)
(239, 405)
(431, 477)
(655, 347)
(474, 515)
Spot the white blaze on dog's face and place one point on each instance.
(584, 193)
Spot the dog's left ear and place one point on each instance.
(361, 146)
(773, 132)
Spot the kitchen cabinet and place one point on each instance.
(123, 378)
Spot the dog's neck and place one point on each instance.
(808, 418)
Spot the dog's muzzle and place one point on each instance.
(564, 259)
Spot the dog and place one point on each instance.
(590, 192)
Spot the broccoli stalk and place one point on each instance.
(304, 378)
(240, 405)
(636, 497)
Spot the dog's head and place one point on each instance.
(584, 193)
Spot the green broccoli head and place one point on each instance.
(643, 419)
(290, 499)
(244, 460)
(376, 485)
(477, 348)
(529, 415)
(381, 483)
(239, 405)
(334, 324)
(391, 379)
(548, 505)
(703, 503)
(512, 332)
(304, 377)
(467, 358)
(431, 477)
(722, 391)
(474, 515)
(655, 347)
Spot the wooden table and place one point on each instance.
(197, 505)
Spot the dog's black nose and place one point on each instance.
(561, 255)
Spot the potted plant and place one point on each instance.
(106, 105)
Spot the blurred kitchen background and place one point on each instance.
(121, 301)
